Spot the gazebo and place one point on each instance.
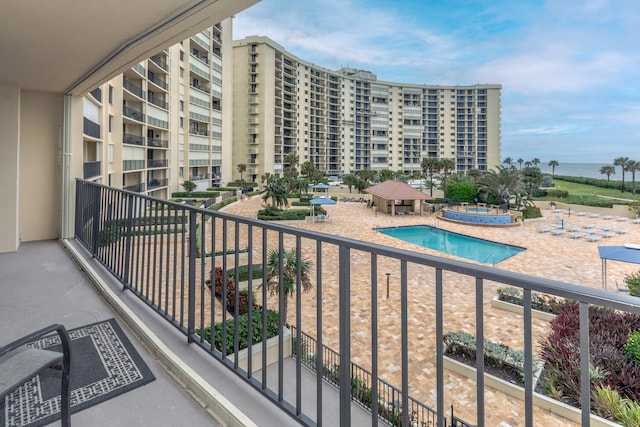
(396, 197)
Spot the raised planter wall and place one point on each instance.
(515, 308)
(272, 352)
(539, 400)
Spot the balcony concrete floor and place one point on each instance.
(42, 284)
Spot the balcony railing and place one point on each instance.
(90, 128)
(157, 163)
(133, 88)
(128, 138)
(132, 114)
(155, 183)
(160, 62)
(137, 188)
(159, 102)
(165, 252)
(97, 94)
(90, 169)
(157, 81)
(129, 165)
(157, 143)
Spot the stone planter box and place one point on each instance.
(256, 352)
(539, 400)
(515, 308)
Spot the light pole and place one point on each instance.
(388, 276)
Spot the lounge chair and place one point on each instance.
(19, 363)
(581, 213)
(577, 235)
(607, 217)
(622, 288)
(620, 230)
(593, 237)
(621, 219)
(543, 229)
(558, 232)
(594, 215)
(607, 234)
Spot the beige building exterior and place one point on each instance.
(346, 120)
(161, 122)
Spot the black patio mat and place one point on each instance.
(104, 365)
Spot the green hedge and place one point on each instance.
(284, 215)
(195, 194)
(243, 272)
(243, 330)
(242, 184)
(555, 193)
(222, 204)
(602, 183)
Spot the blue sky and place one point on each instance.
(570, 70)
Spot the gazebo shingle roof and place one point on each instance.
(396, 190)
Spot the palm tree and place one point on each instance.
(532, 177)
(632, 166)
(608, 170)
(307, 169)
(386, 175)
(508, 161)
(535, 162)
(520, 162)
(502, 184)
(429, 166)
(276, 191)
(349, 181)
(242, 168)
(553, 164)
(367, 175)
(446, 165)
(288, 266)
(621, 161)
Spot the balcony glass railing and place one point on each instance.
(91, 128)
(339, 326)
(90, 170)
(132, 114)
(133, 88)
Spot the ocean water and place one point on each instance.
(587, 170)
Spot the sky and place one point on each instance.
(569, 69)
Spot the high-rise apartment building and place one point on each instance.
(160, 122)
(346, 120)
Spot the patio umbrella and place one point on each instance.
(320, 201)
(627, 253)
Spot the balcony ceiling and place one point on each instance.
(71, 46)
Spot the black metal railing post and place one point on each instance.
(191, 274)
(344, 307)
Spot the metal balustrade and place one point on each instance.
(166, 253)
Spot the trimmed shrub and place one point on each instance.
(531, 212)
(540, 302)
(195, 194)
(633, 282)
(559, 194)
(243, 272)
(610, 366)
(243, 330)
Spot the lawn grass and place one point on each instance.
(576, 189)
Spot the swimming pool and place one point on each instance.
(480, 250)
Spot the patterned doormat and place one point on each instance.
(104, 365)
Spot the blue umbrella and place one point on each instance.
(320, 201)
(320, 186)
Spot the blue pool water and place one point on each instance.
(480, 250)
(484, 210)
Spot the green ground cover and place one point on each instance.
(590, 195)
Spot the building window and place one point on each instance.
(181, 105)
(181, 122)
(181, 72)
(110, 94)
(181, 172)
(110, 122)
(182, 55)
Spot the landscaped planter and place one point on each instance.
(272, 352)
(539, 400)
(515, 308)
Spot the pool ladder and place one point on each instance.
(493, 257)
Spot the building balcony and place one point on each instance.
(157, 143)
(91, 128)
(160, 62)
(132, 114)
(91, 170)
(156, 183)
(130, 139)
(133, 88)
(180, 299)
(159, 102)
(157, 163)
(137, 188)
(157, 81)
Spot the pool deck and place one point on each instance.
(556, 257)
